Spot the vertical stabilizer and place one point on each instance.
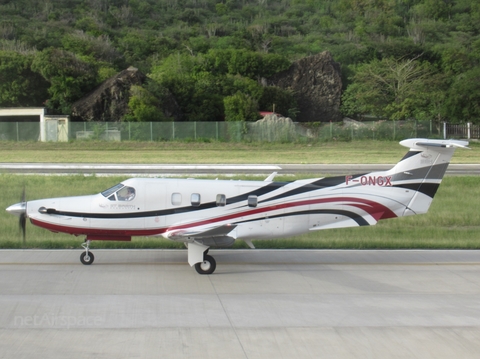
(421, 170)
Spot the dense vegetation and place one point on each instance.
(400, 58)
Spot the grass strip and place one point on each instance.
(355, 152)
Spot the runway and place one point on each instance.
(258, 304)
(169, 170)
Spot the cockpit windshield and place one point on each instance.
(111, 190)
(119, 192)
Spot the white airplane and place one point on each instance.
(215, 213)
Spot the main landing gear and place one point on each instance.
(195, 251)
(207, 266)
(87, 257)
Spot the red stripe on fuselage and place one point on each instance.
(122, 233)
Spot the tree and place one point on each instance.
(144, 106)
(19, 85)
(387, 88)
(69, 76)
(245, 63)
(236, 83)
(462, 103)
(273, 63)
(100, 48)
(240, 107)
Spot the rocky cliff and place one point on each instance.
(109, 101)
(317, 85)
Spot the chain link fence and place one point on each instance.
(266, 131)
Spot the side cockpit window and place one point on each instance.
(126, 194)
(120, 192)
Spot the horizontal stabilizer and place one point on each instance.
(421, 143)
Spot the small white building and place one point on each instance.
(52, 128)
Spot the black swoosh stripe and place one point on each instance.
(257, 192)
(410, 154)
(321, 183)
(428, 189)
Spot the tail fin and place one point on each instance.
(421, 170)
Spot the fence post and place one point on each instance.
(151, 131)
(17, 132)
(173, 130)
(195, 130)
(444, 130)
(394, 131)
(468, 130)
(331, 130)
(216, 129)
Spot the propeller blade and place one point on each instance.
(20, 210)
(22, 222)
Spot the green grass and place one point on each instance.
(452, 221)
(358, 152)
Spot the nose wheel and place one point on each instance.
(207, 266)
(87, 257)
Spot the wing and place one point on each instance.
(212, 236)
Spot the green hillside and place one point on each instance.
(400, 59)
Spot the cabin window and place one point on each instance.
(126, 194)
(195, 199)
(221, 200)
(176, 199)
(252, 201)
(112, 198)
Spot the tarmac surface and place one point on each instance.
(169, 170)
(258, 304)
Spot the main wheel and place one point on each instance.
(87, 259)
(207, 266)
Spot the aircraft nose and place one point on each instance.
(17, 209)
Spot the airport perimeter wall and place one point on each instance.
(271, 131)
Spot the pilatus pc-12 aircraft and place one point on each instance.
(215, 213)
